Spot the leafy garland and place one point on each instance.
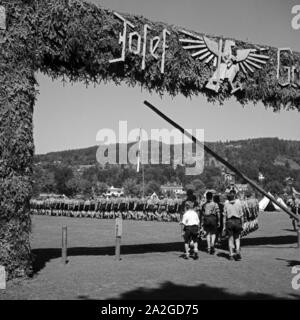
(17, 97)
(75, 40)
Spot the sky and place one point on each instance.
(69, 117)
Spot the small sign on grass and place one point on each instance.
(118, 227)
(2, 278)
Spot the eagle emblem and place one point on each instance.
(228, 64)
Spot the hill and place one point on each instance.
(276, 159)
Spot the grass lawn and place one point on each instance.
(151, 266)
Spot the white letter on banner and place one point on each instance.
(122, 37)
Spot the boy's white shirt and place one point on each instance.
(190, 218)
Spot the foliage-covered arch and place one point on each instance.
(77, 41)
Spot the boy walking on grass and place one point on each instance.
(210, 219)
(233, 223)
(190, 221)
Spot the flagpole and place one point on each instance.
(143, 170)
(140, 163)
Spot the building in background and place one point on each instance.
(174, 188)
(52, 196)
(114, 192)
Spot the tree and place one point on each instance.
(73, 185)
(198, 186)
(43, 181)
(62, 175)
(218, 184)
(274, 187)
(101, 187)
(180, 174)
(78, 185)
(131, 188)
(151, 187)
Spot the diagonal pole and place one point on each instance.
(223, 161)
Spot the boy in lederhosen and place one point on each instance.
(190, 221)
(233, 223)
(210, 219)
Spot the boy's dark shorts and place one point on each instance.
(234, 226)
(210, 223)
(190, 233)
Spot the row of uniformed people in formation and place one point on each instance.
(251, 211)
(166, 209)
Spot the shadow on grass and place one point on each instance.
(290, 263)
(43, 255)
(171, 291)
(263, 241)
